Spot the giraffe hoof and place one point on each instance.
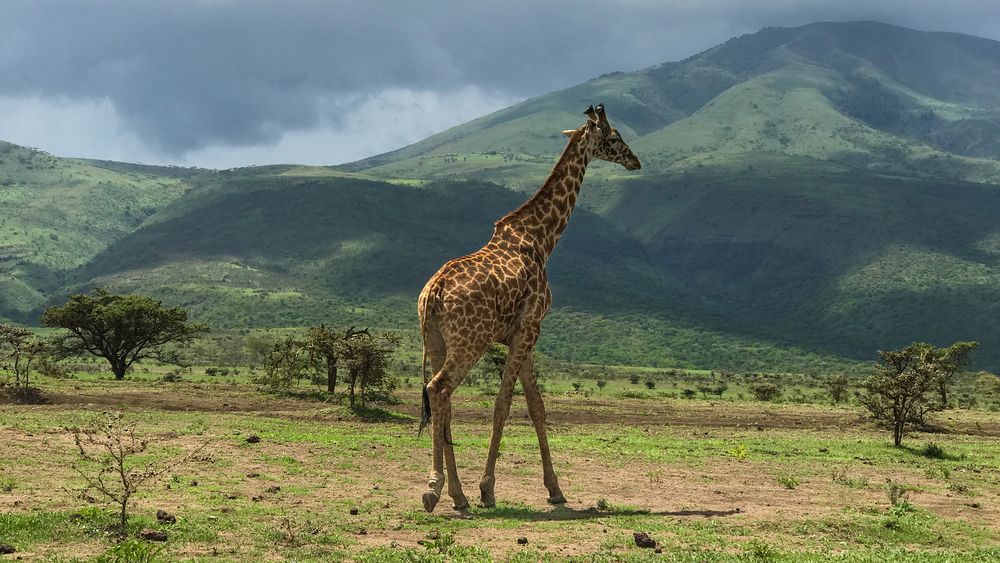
(461, 504)
(487, 503)
(430, 500)
(558, 499)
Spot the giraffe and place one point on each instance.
(500, 293)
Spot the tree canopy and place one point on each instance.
(123, 329)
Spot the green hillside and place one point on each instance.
(56, 214)
(344, 250)
(807, 196)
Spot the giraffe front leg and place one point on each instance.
(501, 409)
(536, 409)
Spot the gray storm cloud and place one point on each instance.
(202, 80)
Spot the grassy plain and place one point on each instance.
(714, 480)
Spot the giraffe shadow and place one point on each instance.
(528, 513)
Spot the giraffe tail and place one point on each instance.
(426, 398)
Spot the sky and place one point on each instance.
(227, 83)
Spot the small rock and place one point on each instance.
(6, 549)
(823, 450)
(257, 498)
(194, 483)
(522, 540)
(433, 534)
(386, 505)
(272, 489)
(232, 496)
(253, 439)
(975, 505)
(354, 512)
(642, 539)
(375, 487)
(658, 550)
(152, 535)
(212, 518)
(253, 475)
(362, 532)
(164, 517)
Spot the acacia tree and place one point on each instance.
(838, 386)
(18, 348)
(326, 347)
(897, 391)
(123, 329)
(284, 364)
(950, 361)
(368, 359)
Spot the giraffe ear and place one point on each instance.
(569, 132)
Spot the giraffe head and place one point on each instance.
(603, 141)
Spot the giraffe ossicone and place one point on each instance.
(500, 293)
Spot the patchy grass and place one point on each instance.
(292, 494)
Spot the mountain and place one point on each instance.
(808, 196)
(864, 95)
(836, 182)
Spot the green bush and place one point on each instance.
(766, 391)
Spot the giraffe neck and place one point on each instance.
(542, 219)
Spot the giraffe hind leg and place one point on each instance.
(439, 390)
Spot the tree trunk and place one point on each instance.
(119, 370)
(331, 376)
(897, 433)
(124, 518)
(353, 380)
(943, 390)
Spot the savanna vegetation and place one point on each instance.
(269, 459)
(219, 467)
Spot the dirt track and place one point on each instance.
(471, 407)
